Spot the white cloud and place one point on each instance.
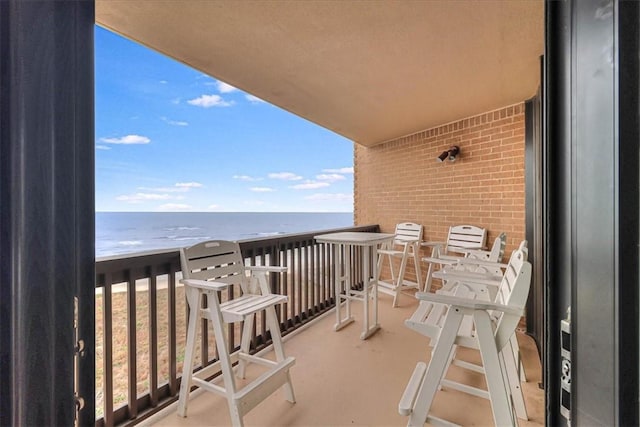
(225, 87)
(174, 207)
(128, 139)
(309, 185)
(339, 170)
(213, 207)
(287, 176)
(174, 122)
(246, 178)
(176, 101)
(142, 197)
(102, 147)
(207, 101)
(262, 189)
(254, 99)
(181, 187)
(335, 197)
(188, 185)
(331, 177)
(164, 82)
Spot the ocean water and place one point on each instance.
(127, 232)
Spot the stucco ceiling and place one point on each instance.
(368, 70)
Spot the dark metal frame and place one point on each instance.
(47, 202)
(533, 220)
(591, 161)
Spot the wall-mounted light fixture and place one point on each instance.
(451, 154)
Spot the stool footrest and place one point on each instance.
(263, 386)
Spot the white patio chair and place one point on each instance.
(474, 268)
(460, 238)
(404, 246)
(483, 278)
(211, 267)
(461, 319)
(468, 263)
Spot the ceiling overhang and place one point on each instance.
(371, 71)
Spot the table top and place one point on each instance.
(355, 238)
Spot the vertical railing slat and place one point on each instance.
(304, 283)
(263, 319)
(299, 267)
(132, 363)
(153, 335)
(293, 301)
(172, 331)
(313, 274)
(107, 358)
(285, 284)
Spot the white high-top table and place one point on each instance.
(343, 243)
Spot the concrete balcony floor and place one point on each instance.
(340, 380)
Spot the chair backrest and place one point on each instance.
(216, 261)
(524, 247)
(408, 232)
(466, 237)
(494, 255)
(497, 250)
(513, 291)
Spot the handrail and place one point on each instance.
(151, 280)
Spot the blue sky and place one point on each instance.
(169, 138)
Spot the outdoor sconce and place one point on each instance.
(451, 153)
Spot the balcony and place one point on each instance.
(339, 379)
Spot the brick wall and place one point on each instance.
(400, 181)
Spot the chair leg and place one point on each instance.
(511, 369)
(379, 264)
(436, 369)
(399, 281)
(245, 344)
(194, 300)
(515, 347)
(391, 269)
(276, 337)
(435, 253)
(416, 264)
(500, 402)
(225, 359)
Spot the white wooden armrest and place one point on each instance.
(469, 277)
(471, 304)
(481, 262)
(267, 268)
(440, 261)
(476, 252)
(432, 244)
(450, 257)
(203, 284)
(461, 249)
